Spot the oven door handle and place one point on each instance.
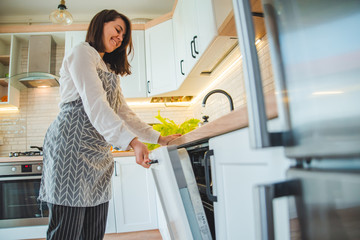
(4, 179)
(207, 155)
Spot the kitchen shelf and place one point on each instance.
(4, 82)
(5, 59)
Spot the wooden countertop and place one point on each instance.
(39, 158)
(235, 120)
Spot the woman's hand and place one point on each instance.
(141, 153)
(165, 140)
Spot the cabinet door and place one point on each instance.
(237, 169)
(191, 32)
(207, 30)
(72, 38)
(134, 196)
(134, 85)
(180, 46)
(160, 58)
(195, 21)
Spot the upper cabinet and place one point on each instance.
(72, 38)
(194, 29)
(160, 58)
(134, 85)
(9, 91)
(14, 65)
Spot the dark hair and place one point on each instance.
(118, 58)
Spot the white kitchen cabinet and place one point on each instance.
(194, 29)
(134, 196)
(236, 169)
(134, 85)
(160, 58)
(72, 38)
(9, 64)
(180, 46)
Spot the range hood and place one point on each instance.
(41, 63)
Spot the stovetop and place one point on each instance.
(28, 153)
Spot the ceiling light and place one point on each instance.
(61, 15)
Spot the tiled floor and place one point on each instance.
(143, 235)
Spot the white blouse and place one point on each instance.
(79, 78)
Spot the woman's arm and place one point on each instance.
(81, 65)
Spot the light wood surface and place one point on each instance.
(235, 120)
(5, 59)
(142, 235)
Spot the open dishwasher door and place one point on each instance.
(178, 193)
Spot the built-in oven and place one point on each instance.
(202, 169)
(19, 191)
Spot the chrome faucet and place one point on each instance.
(219, 91)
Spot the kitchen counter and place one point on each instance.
(39, 158)
(235, 120)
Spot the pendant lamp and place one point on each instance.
(61, 15)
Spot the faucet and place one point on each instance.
(219, 91)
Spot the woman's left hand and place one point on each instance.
(164, 140)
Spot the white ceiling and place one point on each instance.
(37, 11)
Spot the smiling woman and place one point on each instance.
(77, 161)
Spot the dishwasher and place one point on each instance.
(180, 195)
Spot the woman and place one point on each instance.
(78, 164)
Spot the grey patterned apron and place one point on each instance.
(78, 164)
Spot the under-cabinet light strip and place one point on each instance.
(9, 109)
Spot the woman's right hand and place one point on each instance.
(141, 153)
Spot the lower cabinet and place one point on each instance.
(134, 197)
(236, 169)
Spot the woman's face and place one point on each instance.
(113, 34)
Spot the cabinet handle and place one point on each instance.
(148, 86)
(181, 67)
(194, 39)
(115, 168)
(191, 46)
(265, 194)
(207, 155)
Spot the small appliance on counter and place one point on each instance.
(28, 153)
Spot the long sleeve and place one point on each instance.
(143, 130)
(82, 65)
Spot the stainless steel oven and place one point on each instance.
(19, 190)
